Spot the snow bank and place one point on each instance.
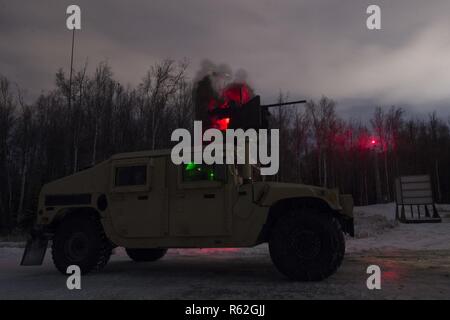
(373, 220)
(376, 228)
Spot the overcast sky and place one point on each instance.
(307, 48)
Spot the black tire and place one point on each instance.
(80, 240)
(307, 246)
(145, 255)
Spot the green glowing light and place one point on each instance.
(191, 166)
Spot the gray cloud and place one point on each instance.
(307, 48)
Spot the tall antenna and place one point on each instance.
(75, 161)
(71, 68)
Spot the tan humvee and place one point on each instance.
(145, 203)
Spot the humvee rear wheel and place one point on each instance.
(80, 240)
(307, 246)
(145, 255)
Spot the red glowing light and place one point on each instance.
(218, 250)
(391, 275)
(238, 92)
(373, 141)
(234, 95)
(221, 124)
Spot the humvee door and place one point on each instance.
(198, 203)
(139, 197)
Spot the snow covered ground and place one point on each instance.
(414, 259)
(376, 228)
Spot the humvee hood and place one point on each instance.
(268, 193)
(95, 179)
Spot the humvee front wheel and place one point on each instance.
(307, 246)
(145, 255)
(80, 240)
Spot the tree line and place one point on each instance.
(78, 124)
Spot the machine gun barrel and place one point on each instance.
(283, 104)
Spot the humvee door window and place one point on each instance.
(199, 172)
(131, 176)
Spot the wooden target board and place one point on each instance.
(414, 199)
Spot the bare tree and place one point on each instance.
(300, 134)
(324, 124)
(386, 127)
(157, 88)
(7, 109)
(26, 146)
